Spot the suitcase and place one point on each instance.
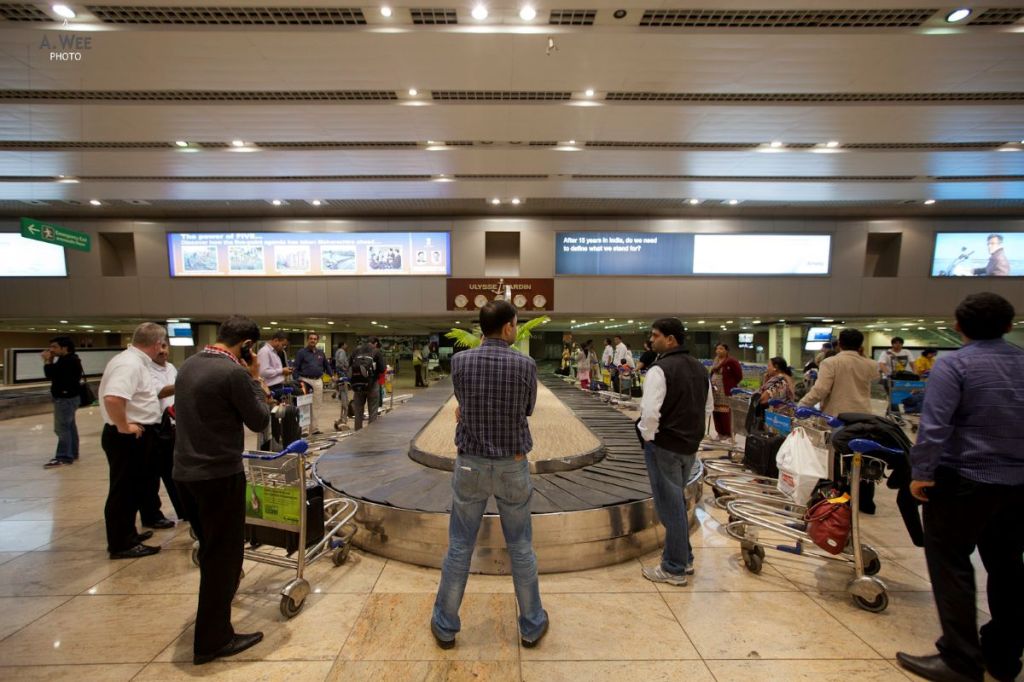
(636, 392)
(284, 426)
(289, 540)
(759, 453)
(598, 386)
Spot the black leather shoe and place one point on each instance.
(528, 644)
(143, 536)
(135, 552)
(237, 645)
(934, 668)
(441, 642)
(162, 524)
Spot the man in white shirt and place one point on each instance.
(272, 370)
(161, 461)
(619, 354)
(895, 359)
(130, 407)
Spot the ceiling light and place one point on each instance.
(516, 201)
(479, 12)
(929, 202)
(495, 201)
(832, 144)
(272, 322)
(64, 12)
(106, 331)
(700, 321)
(728, 321)
(527, 13)
(413, 92)
(316, 202)
(180, 143)
(237, 143)
(733, 202)
(1008, 148)
(373, 322)
(67, 179)
(572, 141)
(958, 15)
(385, 11)
(276, 202)
(589, 92)
(572, 321)
(95, 202)
(330, 322)
(694, 202)
(775, 144)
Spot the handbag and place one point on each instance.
(829, 523)
(86, 397)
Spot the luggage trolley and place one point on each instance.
(730, 469)
(276, 499)
(749, 518)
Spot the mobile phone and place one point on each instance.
(246, 353)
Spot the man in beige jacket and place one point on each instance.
(844, 380)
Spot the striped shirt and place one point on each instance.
(496, 387)
(972, 420)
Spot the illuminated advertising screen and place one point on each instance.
(307, 254)
(20, 257)
(669, 253)
(180, 334)
(978, 254)
(817, 337)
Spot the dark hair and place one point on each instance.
(896, 339)
(617, 336)
(723, 345)
(670, 326)
(984, 316)
(996, 236)
(373, 341)
(313, 334)
(780, 364)
(64, 342)
(608, 340)
(930, 351)
(851, 339)
(237, 329)
(495, 315)
(279, 335)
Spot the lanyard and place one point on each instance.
(213, 350)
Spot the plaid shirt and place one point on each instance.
(497, 389)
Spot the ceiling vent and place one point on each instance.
(499, 96)
(228, 16)
(728, 146)
(336, 145)
(840, 18)
(543, 143)
(433, 15)
(978, 178)
(572, 17)
(520, 176)
(22, 11)
(200, 95)
(998, 17)
(947, 146)
(813, 97)
(231, 178)
(28, 145)
(753, 178)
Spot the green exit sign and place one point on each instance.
(55, 234)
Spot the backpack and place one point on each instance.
(362, 371)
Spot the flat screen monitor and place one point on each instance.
(746, 338)
(817, 337)
(307, 254)
(180, 334)
(978, 254)
(20, 257)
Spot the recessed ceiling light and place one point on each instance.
(589, 92)
(276, 202)
(929, 202)
(95, 202)
(495, 201)
(733, 202)
(273, 322)
(385, 11)
(1008, 148)
(775, 144)
(63, 321)
(832, 144)
(316, 202)
(373, 321)
(694, 202)
(479, 13)
(237, 143)
(413, 92)
(700, 321)
(958, 15)
(180, 143)
(527, 13)
(330, 322)
(64, 11)
(572, 141)
(572, 321)
(516, 201)
(67, 179)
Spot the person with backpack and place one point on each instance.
(366, 366)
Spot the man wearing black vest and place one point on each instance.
(671, 427)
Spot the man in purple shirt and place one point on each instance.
(496, 388)
(968, 469)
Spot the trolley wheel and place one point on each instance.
(340, 554)
(289, 608)
(753, 561)
(872, 564)
(876, 605)
(195, 556)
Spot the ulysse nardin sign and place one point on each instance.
(525, 294)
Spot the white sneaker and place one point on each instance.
(656, 574)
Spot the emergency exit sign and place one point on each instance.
(55, 234)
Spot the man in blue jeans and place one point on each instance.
(496, 388)
(64, 370)
(671, 426)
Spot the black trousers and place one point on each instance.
(216, 510)
(419, 375)
(959, 516)
(161, 462)
(126, 457)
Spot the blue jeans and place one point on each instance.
(669, 471)
(474, 481)
(65, 427)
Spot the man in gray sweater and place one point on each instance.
(218, 391)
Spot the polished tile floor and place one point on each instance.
(67, 612)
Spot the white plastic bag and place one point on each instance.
(801, 466)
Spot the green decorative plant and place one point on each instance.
(465, 338)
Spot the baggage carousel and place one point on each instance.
(597, 514)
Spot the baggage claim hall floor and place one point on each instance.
(67, 612)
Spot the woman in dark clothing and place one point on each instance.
(726, 374)
(647, 358)
(64, 370)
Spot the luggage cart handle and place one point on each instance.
(807, 412)
(864, 446)
(741, 391)
(296, 448)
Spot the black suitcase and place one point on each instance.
(636, 392)
(289, 540)
(284, 426)
(759, 453)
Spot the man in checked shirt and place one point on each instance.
(496, 388)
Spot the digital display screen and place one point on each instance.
(306, 254)
(817, 337)
(180, 334)
(670, 253)
(746, 338)
(978, 254)
(20, 257)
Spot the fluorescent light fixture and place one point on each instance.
(958, 15)
(572, 141)
(516, 201)
(180, 143)
(330, 322)
(694, 202)
(527, 13)
(733, 202)
(495, 201)
(276, 202)
(237, 143)
(929, 202)
(413, 92)
(316, 202)
(775, 144)
(95, 202)
(589, 92)
(479, 12)
(832, 144)
(64, 12)
(67, 179)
